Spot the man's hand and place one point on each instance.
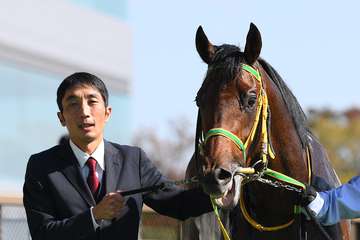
(109, 207)
(308, 195)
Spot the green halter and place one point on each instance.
(225, 133)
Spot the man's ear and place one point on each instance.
(108, 110)
(61, 119)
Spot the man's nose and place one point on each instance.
(85, 109)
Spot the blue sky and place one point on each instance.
(314, 45)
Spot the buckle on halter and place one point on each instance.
(260, 166)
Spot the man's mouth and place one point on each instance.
(86, 126)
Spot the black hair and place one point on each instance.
(63, 140)
(81, 78)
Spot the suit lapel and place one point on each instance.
(72, 172)
(113, 160)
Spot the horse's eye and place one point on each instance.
(251, 101)
(248, 101)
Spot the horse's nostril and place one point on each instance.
(216, 182)
(222, 174)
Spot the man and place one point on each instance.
(71, 190)
(331, 206)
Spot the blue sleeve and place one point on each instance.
(341, 203)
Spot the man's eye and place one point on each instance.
(93, 101)
(73, 103)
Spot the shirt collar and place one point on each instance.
(82, 156)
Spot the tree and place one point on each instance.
(171, 153)
(339, 132)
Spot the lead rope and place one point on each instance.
(221, 225)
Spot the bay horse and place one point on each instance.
(249, 117)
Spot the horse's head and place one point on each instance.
(229, 111)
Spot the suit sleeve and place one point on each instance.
(41, 212)
(341, 203)
(171, 201)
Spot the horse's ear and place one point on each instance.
(205, 49)
(253, 44)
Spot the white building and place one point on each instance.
(42, 42)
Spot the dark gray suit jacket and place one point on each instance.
(57, 199)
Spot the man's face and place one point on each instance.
(84, 114)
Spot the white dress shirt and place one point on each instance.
(82, 158)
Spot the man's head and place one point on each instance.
(82, 99)
(81, 78)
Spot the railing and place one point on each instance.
(13, 225)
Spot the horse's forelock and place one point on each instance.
(223, 68)
(225, 51)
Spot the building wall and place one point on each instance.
(115, 8)
(42, 42)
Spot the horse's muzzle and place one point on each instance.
(215, 183)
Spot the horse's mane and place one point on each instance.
(225, 66)
(291, 102)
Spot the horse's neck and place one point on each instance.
(290, 157)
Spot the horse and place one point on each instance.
(249, 119)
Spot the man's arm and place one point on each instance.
(41, 216)
(171, 201)
(338, 203)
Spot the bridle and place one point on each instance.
(261, 117)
